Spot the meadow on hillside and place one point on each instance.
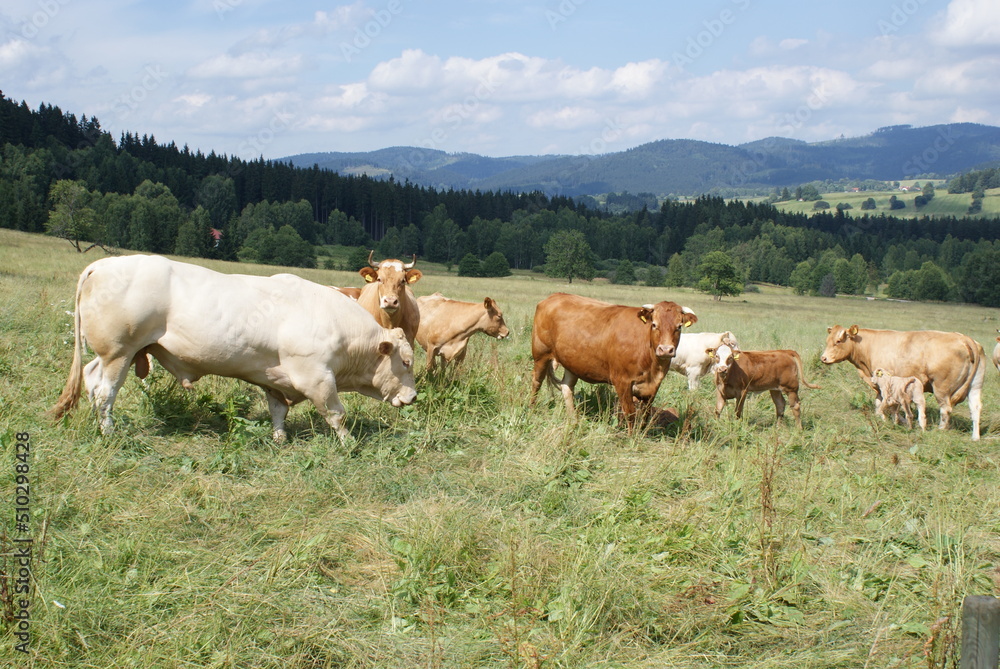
(943, 204)
(469, 530)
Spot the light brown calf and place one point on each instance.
(446, 325)
(897, 392)
(739, 373)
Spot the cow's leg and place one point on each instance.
(908, 414)
(976, 399)
(720, 402)
(921, 410)
(537, 377)
(944, 404)
(92, 375)
(567, 385)
(793, 402)
(329, 407)
(740, 401)
(779, 403)
(432, 358)
(277, 405)
(693, 374)
(112, 377)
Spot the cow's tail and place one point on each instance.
(70, 396)
(977, 358)
(802, 374)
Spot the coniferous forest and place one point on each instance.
(64, 175)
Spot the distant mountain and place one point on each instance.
(688, 167)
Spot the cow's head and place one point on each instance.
(392, 277)
(665, 320)
(877, 378)
(839, 344)
(393, 379)
(723, 358)
(495, 325)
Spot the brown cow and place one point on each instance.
(446, 325)
(387, 295)
(739, 373)
(897, 392)
(949, 364)
(628, 347)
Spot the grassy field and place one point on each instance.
(943, 204)
(471, 531)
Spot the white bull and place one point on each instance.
(692, 358)
(295, 339)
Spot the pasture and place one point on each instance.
(468, 530)
(943, 204)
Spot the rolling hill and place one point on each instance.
(687, 167)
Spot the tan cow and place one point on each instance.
(628, 347)
(996, 354)
(296, 339)
(898, 392)
(387, 295)
(949, 364)
(446, 325)
(739, 373)
(350, 291)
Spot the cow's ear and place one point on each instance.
(490, 304)
(853, 331)
(879, 372)
(413, 275)
(385, 347)
(710, 352)
(368, 274)
(689, 317)
(645, 314)
(829, 330)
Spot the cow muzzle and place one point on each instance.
(665, 351)
(404, 397)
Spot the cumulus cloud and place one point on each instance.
(971, 23)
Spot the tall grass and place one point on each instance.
(471, 531)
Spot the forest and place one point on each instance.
(64, 175)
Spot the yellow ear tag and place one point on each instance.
(643, 319)
(687, 324)
(736, 356)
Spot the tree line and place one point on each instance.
(64, 175)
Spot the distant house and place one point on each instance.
(216, 235)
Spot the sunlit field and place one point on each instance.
(943, 204)
(469, 530)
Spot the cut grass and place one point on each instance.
(471, 531)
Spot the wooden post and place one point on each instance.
(980, 632)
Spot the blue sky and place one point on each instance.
(501, 77)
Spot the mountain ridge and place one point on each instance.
(676, 167)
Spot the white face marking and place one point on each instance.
(723, 358)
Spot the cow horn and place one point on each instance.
(410, 265)
(370, 254)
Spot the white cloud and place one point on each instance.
(970, 23)
(246, 66)
(791, 44)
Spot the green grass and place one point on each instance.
(943, 204)
(471, 531)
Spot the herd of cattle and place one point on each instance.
(300, 340)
